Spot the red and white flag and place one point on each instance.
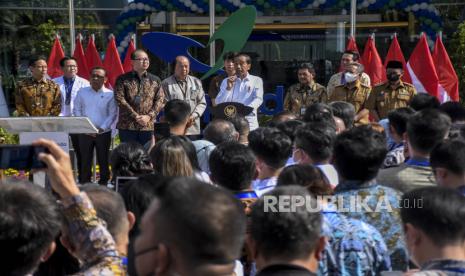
(53, 63)
(372, 62)
(395, 53)
(127, 66)
(83, 70)
(112, 62)
(92, 55)
(448, 81)
(422, 70)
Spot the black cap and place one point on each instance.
(395, 64)
(230, 110)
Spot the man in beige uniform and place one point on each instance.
(306, 92)
(337, 79)
(354, 92)
(391, 94)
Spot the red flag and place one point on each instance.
(422, 70)
(448, 81)
(351, 46)
(53, 64)
(395, 53)
(372, 62)
(127, 59)
(83, 70)
(92, 55)
(112, 62)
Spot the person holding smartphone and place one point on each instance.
(98, 104)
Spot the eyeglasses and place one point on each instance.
(70, 66)
(142, 59)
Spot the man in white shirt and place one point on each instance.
(98, 104)
(69, 84)
(243, 88)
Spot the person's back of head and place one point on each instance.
(280, 117)
(345, 111)
(219, 131)
(177, 112)
(448, 162)
(318, 112)
(242, 127)
(290, 128)
(210, 221)
(29, 223)
(455, 110)
(424, 101)
(286, 237)
(110, 208)
(426, 129)
(307, 176)
(316, 141)
(232, 166)
(359, 153)
(398, 119)
(170, 158)
(129, 159)
(434, 221)
(271, 145)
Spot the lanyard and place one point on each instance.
(243, 195)
(420, 163)
(68, 87)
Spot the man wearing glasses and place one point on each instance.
(69, 84)
(37, 95)
(140, 97)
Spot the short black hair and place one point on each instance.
(450, 154)
(280, 117)
(427, 128)
(308, 66)
(134, 54)
(98, 68)
(34, 59)
(210, 220)
(310, 177)
(423, 101)
(271, 145)
(129, 159)
(65, 59)
(438, 211)
(399, 117)
(345, 111)
(29, 222)
(140, 193)
(232, 165)
(359, 153)
(240, 124)
(319, 113)
(316, 140)
(455, 110)
(219, 131)
(247, 57)
(229, 56)
(177, 112)
(109, 206)
(285, 236)
(355, 55)
(290, 128)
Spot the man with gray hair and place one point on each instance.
(188, 88)
(353, 91)
(219, 131)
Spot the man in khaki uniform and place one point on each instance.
(306, 92)
(37, 95)
(339, 78)
(391, 94)
(354, 92)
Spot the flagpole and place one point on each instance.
(71, 26)
(212, 31)
(353, 17)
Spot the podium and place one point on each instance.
(53, 128)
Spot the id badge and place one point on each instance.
(302, 110)
(137, 100)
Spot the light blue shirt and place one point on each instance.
(247, 91)
(99, 106)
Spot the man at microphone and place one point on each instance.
(243, 88)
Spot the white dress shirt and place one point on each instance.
(247, 91)
(99, 106)
(67, 110)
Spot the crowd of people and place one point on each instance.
(348, 180)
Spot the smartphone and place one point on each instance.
(162, 130)
(21, 157)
